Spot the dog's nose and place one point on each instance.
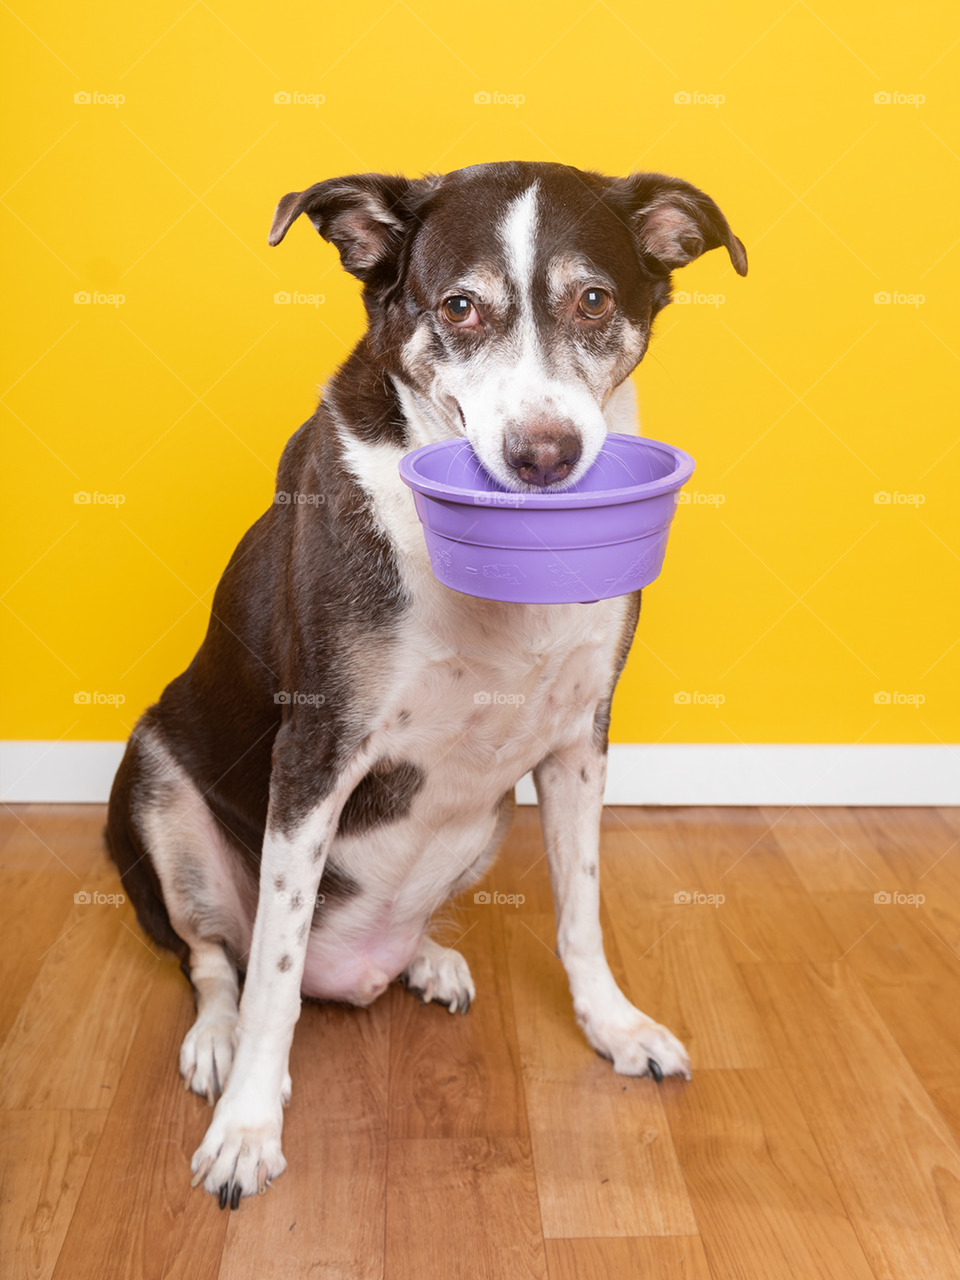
(542, 459)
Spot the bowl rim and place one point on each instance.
(683, 469)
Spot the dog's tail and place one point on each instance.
(132, 857)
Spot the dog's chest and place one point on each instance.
(486, 690)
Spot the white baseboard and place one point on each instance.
(676, 774)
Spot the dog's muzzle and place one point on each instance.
(542, 457)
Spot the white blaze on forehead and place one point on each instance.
(518, 232)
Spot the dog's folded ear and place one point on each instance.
(672, 222)
(366, 216)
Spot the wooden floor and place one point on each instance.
(820, 1136)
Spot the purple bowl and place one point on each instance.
(604, 536)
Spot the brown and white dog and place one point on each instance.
(322, 777)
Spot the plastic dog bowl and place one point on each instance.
(604, 536)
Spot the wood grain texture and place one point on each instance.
(677, 956)
(604, 1157)
(325, 1215)
(819, 1136)
(766, 1205)
(46, 1155)
(665, 1257)
(455, 1076)
(863, 1104)
(70, 1039)
(460, 1209)
(137, 1215)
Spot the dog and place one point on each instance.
(322, 778)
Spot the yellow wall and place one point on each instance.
(797, 599)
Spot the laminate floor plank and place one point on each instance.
(766, 1205)
(882, 1139)
(325, 1215)
(452, 1075)
(46, 1158)
(463, 1208)
(665, 1257)
(137, 1215)
(677, 957)
(73, 1030)
(604, 1157)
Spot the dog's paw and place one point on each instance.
(438, 974)
(639, 1047)
(206, 1054)
(241, 1152)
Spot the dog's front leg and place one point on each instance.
(241, 1150)
(570, 790)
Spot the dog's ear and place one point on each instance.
(366, 216)
(672, 222)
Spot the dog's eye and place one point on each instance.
(459, 310)
(594, 303)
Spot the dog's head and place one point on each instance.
(513, 299)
